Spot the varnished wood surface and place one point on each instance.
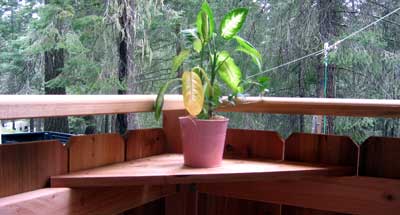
(89, 151)
(320, 148)
(98, 201)
(172, 130)
(241, 143)
(245, 144)
(380, 157)
(219, 205)
(144, 143)
(168, 169)
(349, 194)
(33, 106)
(317, 106)
(28, 166)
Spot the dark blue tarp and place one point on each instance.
(35, 136)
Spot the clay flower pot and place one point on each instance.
(203, 141)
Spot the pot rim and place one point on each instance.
(205, 120)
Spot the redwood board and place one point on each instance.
(91, 151)
(380, 157)
(168, 169)
(144, 142)
(28, 166)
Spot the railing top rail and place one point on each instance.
(34, 106)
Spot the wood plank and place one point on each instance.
(218, 205)
(350, 194)
(28, 166)
(172, 130)
(292, 210)
(319, 148)
(169, 169)
(145, 142)
(380, 157)
(66, 201)
(184, 202)
(316, 106)
(15, 106)
(242, 143)
(91, 151)
(156, 207)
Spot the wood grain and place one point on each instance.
(316, 106)
(144, 143)
(318, 148)
(242, 143)
(91, 151)
(351, 194)
(245, 144)
(218, 205)
(292, 210)
(172, 130)
(325, 149)
(65, 201)
(156, 207)
(28, 166)
(184, 202)
(168, 169)
(380, 157)
(14, 106)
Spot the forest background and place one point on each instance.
(127, 47)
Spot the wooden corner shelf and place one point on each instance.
(168, 169)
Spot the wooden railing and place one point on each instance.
(369, 184)
(29, 106)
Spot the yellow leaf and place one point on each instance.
(192, 90)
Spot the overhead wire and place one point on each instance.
(330, 47)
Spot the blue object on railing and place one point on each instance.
(34, 136)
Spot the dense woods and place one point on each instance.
(127, 47)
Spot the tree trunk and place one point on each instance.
(328, 28)
(122, 119)
(301, 94)
(331, 92)
(178, 48)
(54, 63)
(31, 125)
(106, 124)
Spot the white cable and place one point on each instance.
(290, 62)
(333, 46)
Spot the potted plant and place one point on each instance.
(203, 133)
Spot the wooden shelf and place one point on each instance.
(169, 169)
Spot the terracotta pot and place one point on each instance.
(203, 141)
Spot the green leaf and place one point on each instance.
(205, 7)
(179, 59)
(232, 22)
(192, 91)
(229, 72)
(160, 101)
(205, 23)
(264, 83)
(197, 46)
(160, 98)
(247, 48)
